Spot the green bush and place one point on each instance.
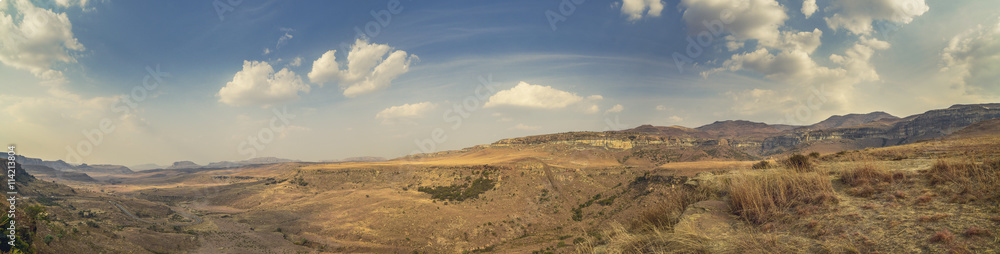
(459, 192)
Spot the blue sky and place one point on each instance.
(71, 67)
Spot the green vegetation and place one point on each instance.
(459, 192)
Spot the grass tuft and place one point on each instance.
(762, 197)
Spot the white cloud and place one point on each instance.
(615, 109)
(404, 113)
(592, 109)
(258, 84)
(38, 40)
(675, 119)
(295, 62)
(972, 59)
(283, 40)
(803, 41)
(71, 3)
(636, 9)
(857, 16)
(267, 51)
(533, 96)
(789, 66)
(367, 71)
(525, 127)
(750, 19)
(809, 7)
(661, 107)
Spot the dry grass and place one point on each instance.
(762, 197)
(978, 231)
(934, 218)
(943, 236)
(621, 240)
(868, 177)
(966, 181)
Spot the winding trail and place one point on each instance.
(195, 219)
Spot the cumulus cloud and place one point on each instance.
(615, 109)
(747, 19)
(36, 39)
(857, 16)
(533, 96)
(404, 113)
(295, 62)
(809, 7)
(368, 69)
(636, 9)
(675, 119)
(258, 84)
(787, 66)
(972, 59)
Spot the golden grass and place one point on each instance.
(762, 197)
(621, 240)
(867, 177)
(967, 181)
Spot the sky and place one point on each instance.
(133, 82)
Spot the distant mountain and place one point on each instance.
(741, 128)
(184, 165)
(233, 164)
(931, 124)
(58, 165)
(359, 159)
(265, 160)
(739, 139)
(850, 120)
(988, 128)
(45, 171)
(104, 168)
(674, 131)
(147, 166)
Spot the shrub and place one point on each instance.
(48, 239)
(943, 236)
(459, 192)
(799, 163)
(974, 231)
(934, 218)
(760, 198)
(814, 154)
(868, 178)
(761, 165)
(969, 181)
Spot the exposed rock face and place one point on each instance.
(875, 129)
(57, 165)
(44, 171)
(932, 124)
(20, 175)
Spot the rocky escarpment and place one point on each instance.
(877, 129)
(103, 168)
(931, 124)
